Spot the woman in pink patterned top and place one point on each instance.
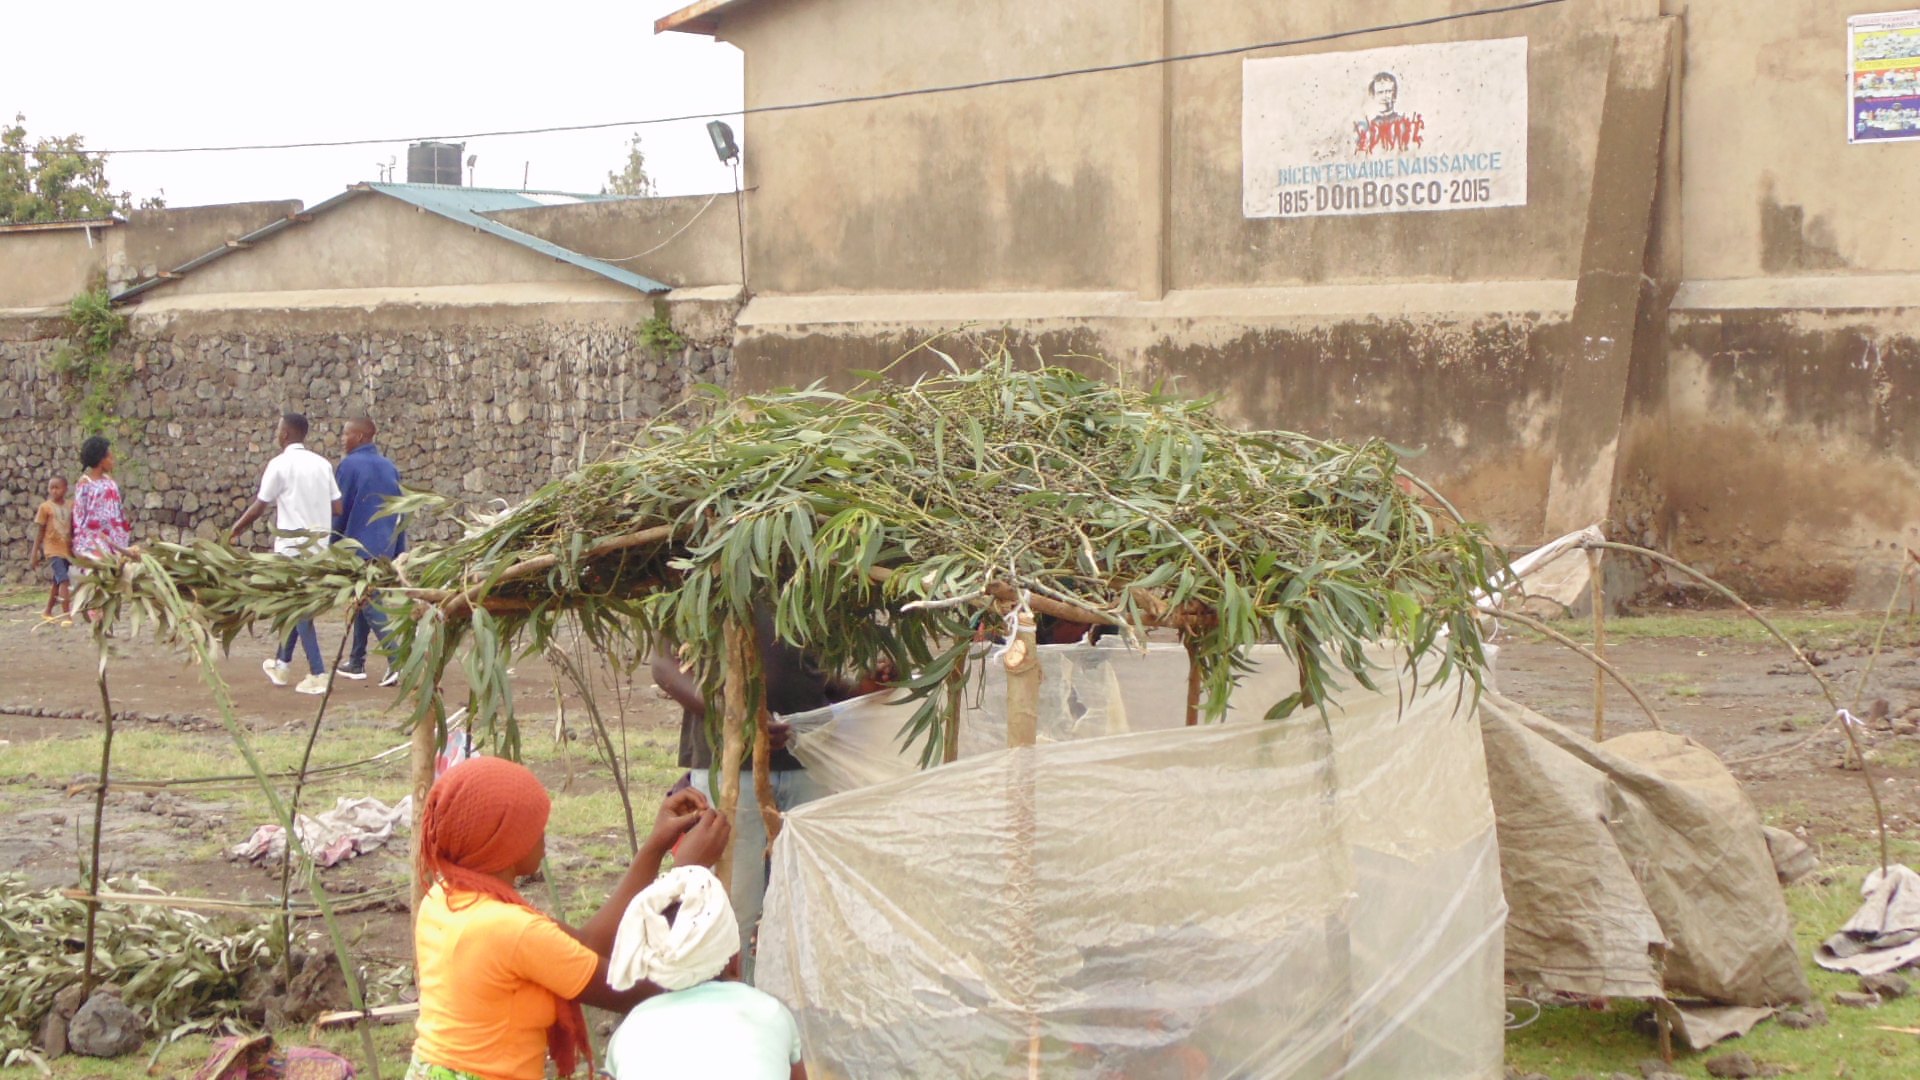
(99, 519)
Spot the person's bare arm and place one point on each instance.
(677, 681)
(699, 844)
(685, 819)
(338, 510)
(39, 544)
(246, 519)
(799, 1071)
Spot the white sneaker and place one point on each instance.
(392, 677)
(276, 670)
(313, 684)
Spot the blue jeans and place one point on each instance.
(791, 787)
(368, 620)
(310, 641)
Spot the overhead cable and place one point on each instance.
(1011, 80)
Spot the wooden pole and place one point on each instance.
(99, 815)
(1022, 660)
(420, 751)
(763, 776)
(1598, 593)
(1193, 679)
(733, 740)
(956, 688)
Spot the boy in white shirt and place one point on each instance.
(681, 935)
(299, 486)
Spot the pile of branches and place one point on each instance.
(880, 523)
(175, 968)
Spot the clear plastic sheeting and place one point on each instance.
(1308, 898)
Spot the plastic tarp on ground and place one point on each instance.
(1304, 899)
(1634, 867)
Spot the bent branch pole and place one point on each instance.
(1539, 627)
(461, 604)
(1668, 560)
(1853, 740)
(99, 813)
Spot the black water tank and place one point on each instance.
(434, 163)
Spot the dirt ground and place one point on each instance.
(1736, 696)
(176, 840)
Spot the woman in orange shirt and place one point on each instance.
(501, 984)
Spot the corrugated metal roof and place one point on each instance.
(468, 205)
(459, 204)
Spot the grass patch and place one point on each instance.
(1808, 630)
(1567, 1042)
(392, 1042)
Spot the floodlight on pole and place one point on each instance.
(728, 152)
(723, 144)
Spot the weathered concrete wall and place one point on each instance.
(375, 242)
(1477, 391)
(684, 241)
(479, 403)
(46, 269)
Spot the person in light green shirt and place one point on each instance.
(680, 933)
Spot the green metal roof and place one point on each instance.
(465, 205)
(468, 206)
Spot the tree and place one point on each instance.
(632, 180)
(54, 179)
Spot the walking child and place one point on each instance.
(52, 541)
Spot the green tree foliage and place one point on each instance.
(55, 179)
(633, 179)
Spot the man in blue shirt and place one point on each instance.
(367, 480)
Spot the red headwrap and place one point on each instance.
(482, 817)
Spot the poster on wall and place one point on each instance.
(1883, 77)
(1399, 130)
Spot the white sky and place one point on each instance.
(217, 72)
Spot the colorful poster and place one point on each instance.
(1883, 77)
(1385, 131)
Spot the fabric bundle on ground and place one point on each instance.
(353, 827)
(1884, 935)
(691, 949)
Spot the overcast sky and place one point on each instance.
(216, 72)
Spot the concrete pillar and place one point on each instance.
(1607, 301)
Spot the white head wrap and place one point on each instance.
(695, 947)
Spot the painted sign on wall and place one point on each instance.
(1385, 131)
(1883, 77)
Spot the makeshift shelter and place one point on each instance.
(1310, 897)
(883, 525)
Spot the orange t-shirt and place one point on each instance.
(488, 972)
(59, 522)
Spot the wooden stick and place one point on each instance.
(956, 688)
(212, 903)
(763, 776)
(99, 814)
(1004, 593)
(1022, 660)
(421, 747)
(1537, 626)
(378, 1012)
(462, 603)
(1597, 592)
(1193, 679)
(735, 691)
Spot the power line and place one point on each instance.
(1012, 80)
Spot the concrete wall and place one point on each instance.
(1104, 212)
(373, 241)
(1701, 327)
(46, 268)
(684, 241)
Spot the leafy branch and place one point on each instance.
(91, 377)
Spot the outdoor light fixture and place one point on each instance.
(723, 143)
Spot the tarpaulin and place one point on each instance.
(1310, 898)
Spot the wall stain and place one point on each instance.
(1790, 241)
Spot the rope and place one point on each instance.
(670, 239)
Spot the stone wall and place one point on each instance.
(474, 411)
